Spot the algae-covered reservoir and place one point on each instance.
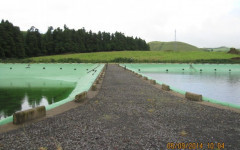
(25, 86)
(219, 83)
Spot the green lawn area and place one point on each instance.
(140, 56)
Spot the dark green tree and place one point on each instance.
(33, 42)
(11, 41)
(17, 44)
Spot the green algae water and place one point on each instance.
(25, 86)
(14, 99)
(218, 83)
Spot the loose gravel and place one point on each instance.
(129, 113)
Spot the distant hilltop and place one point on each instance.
(172, 46)
(222, 49)
(181, 46)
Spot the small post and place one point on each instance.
(94, 87)
(80, 97)
(153, 82)
(165, 87)
(193, 96)
(30, 114)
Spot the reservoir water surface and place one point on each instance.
(25, 86)
(218, 86)
(216, 82)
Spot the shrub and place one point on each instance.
(123, 60)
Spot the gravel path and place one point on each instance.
(129, 113)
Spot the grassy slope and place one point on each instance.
(179, 46)
(138, 56)
(223, 49)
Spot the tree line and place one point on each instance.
(20, 44)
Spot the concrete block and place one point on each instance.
(193, 96)
(80, 97)
(145, 78)
(102, 74)
(30, 114)
(165, 87)
(94, 87)
(153, 82)
(97, 81)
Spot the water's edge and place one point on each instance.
(78, 89)
(183, 92)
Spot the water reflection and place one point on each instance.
(26, 94)
(26, 105)
(220, 86)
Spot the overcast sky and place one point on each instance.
(203, 23)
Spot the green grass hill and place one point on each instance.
(219, 49)
(174, 46)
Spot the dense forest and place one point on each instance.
(19, 44)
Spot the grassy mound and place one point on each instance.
(219, 49)
(172, 46)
